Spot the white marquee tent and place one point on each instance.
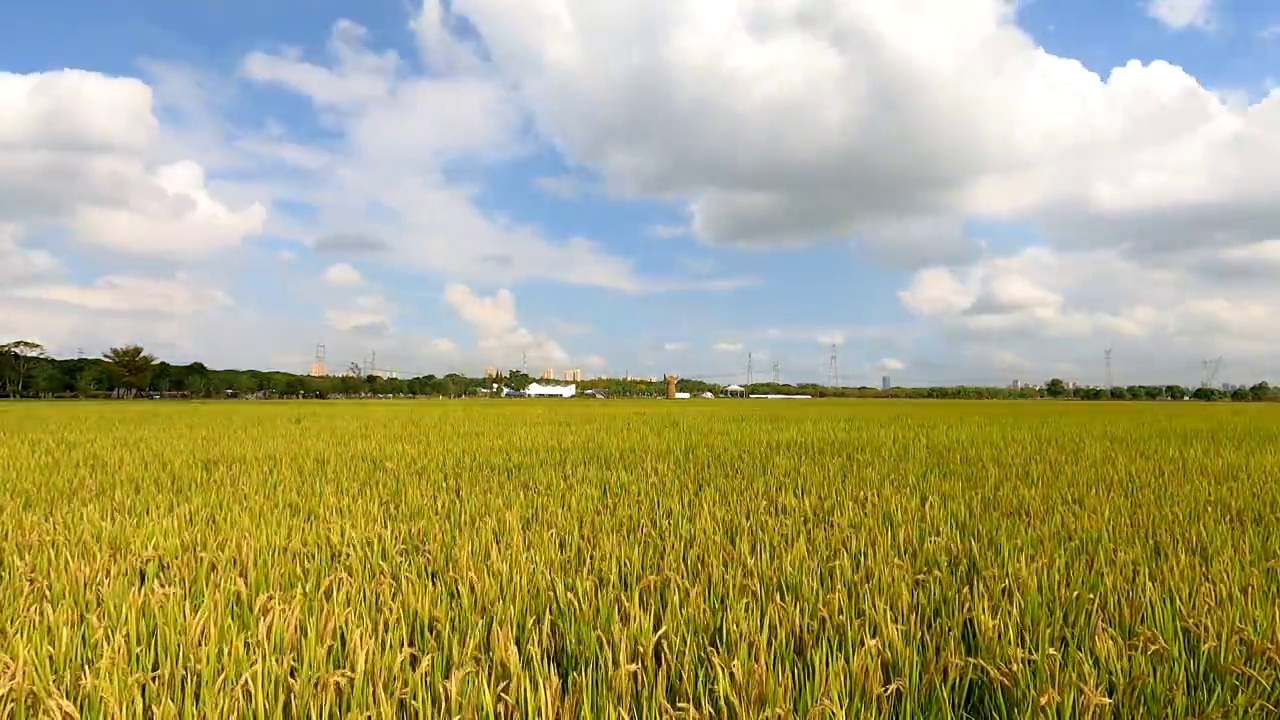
(536, 390)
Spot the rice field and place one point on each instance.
(722, 559)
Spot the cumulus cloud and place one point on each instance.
(675, 346)
(368, 314)
(499, 334)
(76, 148)
(343, 275)
(1180, 14)
(727, 347)
(19, 264)
(397, 160)
(890, 365)
(912, 118)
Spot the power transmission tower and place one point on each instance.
(318, 368)
(1107, 353)
(749, 368)
(524, 363)
(777, 372)
(834, 368)
(1211, 368)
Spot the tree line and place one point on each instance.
(129, 371)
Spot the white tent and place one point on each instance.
(735, 390)
(536, 390)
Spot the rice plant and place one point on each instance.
(639, 559)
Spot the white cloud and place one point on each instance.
(675, 346)
(78, 148)
(443, 346)
(890, 365)
(499, 335)
(369, 314)
(400, 131)
(20, 264)
(727, 347)
(342, 274)
(912, 118)
(1180, 14)
(1048, 307)
(127, 294)
(831, 338)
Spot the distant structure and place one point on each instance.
(884, 383)
(1211, 369)
(750, 370)
(491, 372)
(562, 391)
(547, 374)
(1015, 385)
(834, 367)
(574, 375)
(777, 372)
(318, 368)
(1107, 355)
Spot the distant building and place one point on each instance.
(548, 374)
(491, 372)
(1015, 385)
(563, 391)
(384, 374)
(574, 375)
(885, 384)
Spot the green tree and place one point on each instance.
(18, 358)
(1056, 388)
(518, 380)
(1241, 394)
(130, 367)
(48, 379)
(1260, 391)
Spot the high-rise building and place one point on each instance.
(884, 383)
(491, 372)
(574, 375)
(548, 374)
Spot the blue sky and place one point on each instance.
(948, 192)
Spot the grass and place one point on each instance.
(639, 559)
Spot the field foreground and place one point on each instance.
(639, 559)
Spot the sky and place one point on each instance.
(942, 191)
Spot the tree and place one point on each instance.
(1260, 391)
(1240, 394)
(130, 367)
(48, 379)
(18, 358)
(1056, 388)
(518, 380)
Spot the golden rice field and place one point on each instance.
(728, 559)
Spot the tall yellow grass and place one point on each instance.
(642, 559)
